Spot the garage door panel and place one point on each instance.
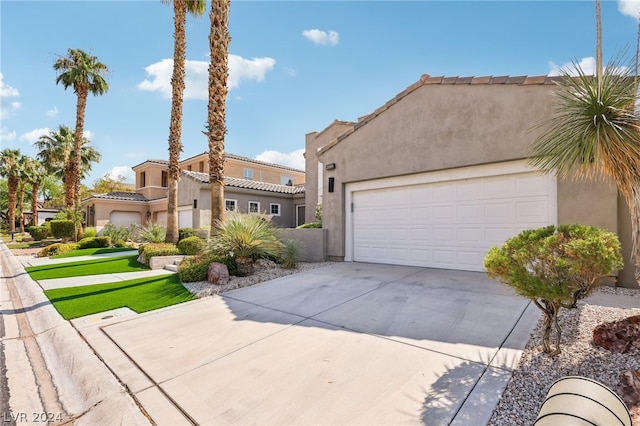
(447, 224)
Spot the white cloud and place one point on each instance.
(588, 66)
(293, 159)
(629, 8)
(52, 112)
(7, 106)
(87, 134)
(197, 75)
(6, 134)
(35, 134)
(322, 37)
(125, 171)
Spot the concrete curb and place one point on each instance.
(85, 390)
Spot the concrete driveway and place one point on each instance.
(350, 343)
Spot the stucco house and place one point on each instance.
(438, 175)
(251, 186)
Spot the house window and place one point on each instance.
(254, 207)
(201, 167)
(231, 205)
(274, 209)
(165, 179)
(143, 179)
(189, 167)
(248, 174)
(286, 180)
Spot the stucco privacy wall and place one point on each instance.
(440, 124)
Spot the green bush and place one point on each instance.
(89, 232)
(119, 234)
(62, 229)
(57, 248)
(153, 233)
(191, 245)
(290, 254)
(185, 233)
(40, 232)
(311, 225)
(94, 242)
(196, 268)
(159, 249)
(554, 267)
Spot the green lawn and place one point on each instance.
(107, 265)
(90, 251)
(141, 295)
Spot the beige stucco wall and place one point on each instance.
(438, 127)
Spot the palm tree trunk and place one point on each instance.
(34, 204)
(77, 150)
(175, 125)
(598, 43)
(218, 74)
(12, 187)
(21, 205)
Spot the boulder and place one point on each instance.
(629, 391)
(619, 336)
(218, 274)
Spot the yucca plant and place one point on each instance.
(243, 237)
(153, 233)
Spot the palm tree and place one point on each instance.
(180, 10)
(218, 74)
(10, 168)
(34, 175)
(594, 130)
(85, 74)
(22, 182)
(57, 150)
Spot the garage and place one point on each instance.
(446, 219)
(124, 218)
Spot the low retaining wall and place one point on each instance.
(159, 262)
(314, 242)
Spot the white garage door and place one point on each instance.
(124, 218)
(185, 218)
(446, 219)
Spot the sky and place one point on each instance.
(295, 66)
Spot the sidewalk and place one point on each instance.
(49, 367)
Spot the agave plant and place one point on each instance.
(244, 237)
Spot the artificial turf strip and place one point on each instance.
(104, 265)
(90, 251)
(140, 295)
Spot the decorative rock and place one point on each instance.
(619, 336)
(218, 274)
(629, 391)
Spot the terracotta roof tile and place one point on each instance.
(248, 184)
(516, 80)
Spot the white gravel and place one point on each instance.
(264, 270)
(525, 393)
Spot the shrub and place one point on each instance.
(62, 228)
(153, 233)
(290, 254)
(244, 236)
(191, 245)
(119, 234)
(57, 248)
(196, 268)
(40, 232)
(554, 267)
(159, 249)
(185, 233)
(94, 242)
(311, 225)
(89, 232)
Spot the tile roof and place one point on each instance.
(426, 79)
(162, 162)
(122, 196)
(249, 160)
(248, 184)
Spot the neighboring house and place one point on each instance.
(438, 175)
(250, 186)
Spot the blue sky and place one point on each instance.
(295, 65)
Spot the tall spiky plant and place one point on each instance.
(593, 130)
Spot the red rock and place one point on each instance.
(629, 390)
(218, 274)
(619, 336)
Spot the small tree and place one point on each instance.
(555, 267)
